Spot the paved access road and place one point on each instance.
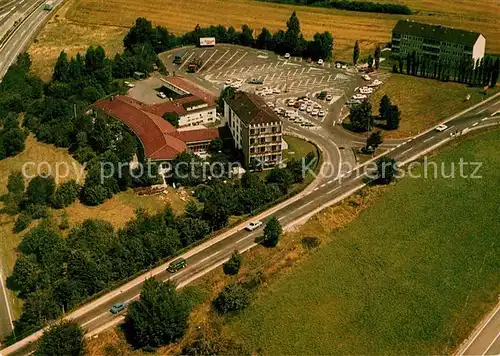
(323, 192)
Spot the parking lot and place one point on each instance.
(274, 77)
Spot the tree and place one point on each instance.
(215, 145)
(385, 105)
(386, 170)
(376, 56)
(61, 69)
(355, 53)
(192, 211)
(246, 37)
(495, 73)
(281, 176)
(141, 33)
(11, 142)
(393, 117)
(374, 140)
(272, 232)
(62, 338)
(66, 194)
(227, 92)
(232, 298)
(159, 317)
(293, 35)
(370, 61)
(233, 265)
(40, 190)
(265, 40)
(395, 69)
(361, 117)
(172, 117)
(15, 185)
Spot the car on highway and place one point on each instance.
(441, 128)
(118, 307)
(253, 225)
(287, 56)
(321, 113)
(320, 62)
(162, 95)
(177, 265)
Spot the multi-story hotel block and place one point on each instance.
(437, 42)
(256, 129)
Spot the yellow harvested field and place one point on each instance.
(61, 34)
(346, 26)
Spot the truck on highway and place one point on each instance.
(49, 5)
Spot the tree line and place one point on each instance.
(361, 6)
(53, 274)
(290, 40)
(483, 72)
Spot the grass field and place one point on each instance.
(424, 102)
(404, 278)
(80, 23)
(297, 147)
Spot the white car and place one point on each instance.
(287, 56)
(309, 109)
(366, 77)
(228, 81)
(329, 97)
(321, 113)
(376, 83)
(270, 104)
(162, 95)
(366, 90)
(276, 90)
(303, 107)
(344, 66)
(291, 103)
(128, 84)
(253, 225)
(359, 96)
(441, 128)
(320, 62)
(315, 112)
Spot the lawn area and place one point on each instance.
(80, 23)
(424, 102)
(404, 278)
(297, 147)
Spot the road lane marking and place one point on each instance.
(491, 344)
(227, 61)
(187, 60)
(217, 61)
(244, 54)
(408, 150)
(333, 190)
(428, 139)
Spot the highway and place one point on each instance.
(323, 192)
(29, 16)
(32, 15)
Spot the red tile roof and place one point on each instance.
(192, 88)
(160, 139)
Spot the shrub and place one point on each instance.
(310, 242)
(66, 194)
(233, 297)
(22, 222)
(233, 266)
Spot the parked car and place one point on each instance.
(353, 102)
(128, 84)
(329, 97)
(287, 56)
(366, 90)
(375, 83)
(297, 104)
(253, 225)
(276, 90)
(228, 81)
(315, 112)
(303, 107)
(256, 81)
(366, 77)
(359, 96)
(321, 113)
(118, 307)
(320, 62)
(291, 103)
(270, 104)
(162, 95)
(309, 109)
(441, 128)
